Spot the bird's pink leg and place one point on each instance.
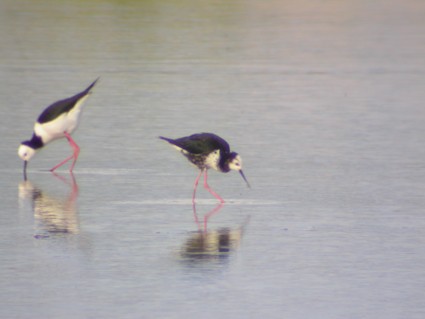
(61, 163)
(208, 188)
(195, 186)
(76, 149)
(76, 152)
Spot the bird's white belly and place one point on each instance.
(55, 129)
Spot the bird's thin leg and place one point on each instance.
(208, 188)
(75, 148)
(61, 163)
(195, 186)
(76, 152)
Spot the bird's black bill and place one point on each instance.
(25, 170)
(244, 178)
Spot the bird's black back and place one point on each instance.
(202, 143)
(62, 106)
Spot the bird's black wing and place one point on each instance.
(62, 106)
(202, 143)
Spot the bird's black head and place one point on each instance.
(234, 162)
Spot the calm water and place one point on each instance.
(325, 103)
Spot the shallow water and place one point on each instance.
(324, 102)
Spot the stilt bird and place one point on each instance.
(57, 121)
(207, 150)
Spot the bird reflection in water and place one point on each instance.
(52, 214)
(211, 245)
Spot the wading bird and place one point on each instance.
(57, 121)
(207, 150)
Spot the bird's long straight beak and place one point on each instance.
(244, 178)
(25, 170)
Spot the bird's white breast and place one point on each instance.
(212, 160)
(66, 122)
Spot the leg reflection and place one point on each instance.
(211, 245)
(52, 213)
(207, 216)
(72, 183)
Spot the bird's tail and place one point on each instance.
(86, 91)
(169, 140)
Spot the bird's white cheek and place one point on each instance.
(235, 166)
(25, 153)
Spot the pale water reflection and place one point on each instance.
(53, 214)
(207, 245)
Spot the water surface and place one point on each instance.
(323, 101)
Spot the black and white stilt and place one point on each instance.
(57, 121)
(205, 151)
